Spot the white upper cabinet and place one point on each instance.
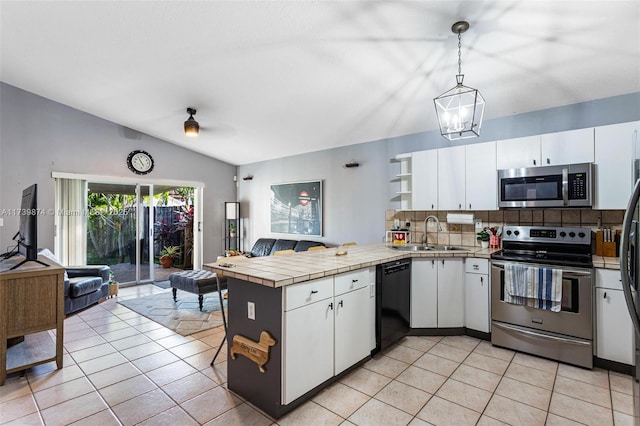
(451, 178)
(455, 178)
(481, 188)
(573, 146)
(424, 180)
(518, 152)
(615, 151)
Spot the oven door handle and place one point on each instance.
(540, 335)
(627, 279)
(566, 272)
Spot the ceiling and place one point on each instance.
(276, 78)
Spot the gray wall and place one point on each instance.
(355, 199)
(38, 136)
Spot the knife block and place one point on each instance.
(605, 248)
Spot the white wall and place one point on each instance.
(39, 136)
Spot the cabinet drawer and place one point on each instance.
(309, 292)
(350, 281)
(608, 278)
(476, 266)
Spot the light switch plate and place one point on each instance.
(478, 224)
(1, 221)
(251, 310)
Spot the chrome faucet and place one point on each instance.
(426, 222)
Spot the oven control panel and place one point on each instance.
(549, 234)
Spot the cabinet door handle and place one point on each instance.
(548, 161)
(331, 306)
(460, 206)
(443, 262)
(481, 280)
(340, 304)
(354, 281)
(431, 206)
(469, 206)
(314, 291)
(534, 162)
(605, 294)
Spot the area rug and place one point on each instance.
(162, 284)
(184, 316)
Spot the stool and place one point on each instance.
(196, 282)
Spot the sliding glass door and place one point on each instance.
(128, 226)
(119, 230)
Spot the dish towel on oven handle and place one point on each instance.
(533, 286)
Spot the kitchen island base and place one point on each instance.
(282, 340)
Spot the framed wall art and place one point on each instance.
(296, 208)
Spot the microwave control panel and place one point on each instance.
(577, 186)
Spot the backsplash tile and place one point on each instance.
(465, 235)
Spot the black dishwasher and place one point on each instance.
(393, 302)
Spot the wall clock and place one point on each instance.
(140, 162)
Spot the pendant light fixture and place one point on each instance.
(191, 126)
(460, 109)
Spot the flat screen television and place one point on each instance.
(27, 236)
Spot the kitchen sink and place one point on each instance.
(445, 248)
(421, 247)
(411, 247)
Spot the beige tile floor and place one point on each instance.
(122, 369)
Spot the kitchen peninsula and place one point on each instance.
(318, 309)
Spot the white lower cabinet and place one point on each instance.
(614, 330)
(437, 293)
(309, 349)
(424, 293)
(352, 323)
(476, 295)
(323, 337)
(450, 293)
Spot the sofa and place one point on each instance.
(84, 286)
(268, 246)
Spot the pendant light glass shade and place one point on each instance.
(460, 110)
(191, 126)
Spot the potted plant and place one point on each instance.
(113, 285)
(167, 254)
(232, 230)
(483, 237)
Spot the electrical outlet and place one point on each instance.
(478, 224)
(251, 310)
(1, 221)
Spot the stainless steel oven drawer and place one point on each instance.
(571, 350)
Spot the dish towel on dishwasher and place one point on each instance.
(534, 286)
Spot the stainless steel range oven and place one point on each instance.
(564, 333)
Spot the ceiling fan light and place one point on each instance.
(191, 126)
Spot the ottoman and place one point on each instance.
(196, 282)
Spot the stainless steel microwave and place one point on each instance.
(568, 185)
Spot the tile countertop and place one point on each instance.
(606, 262)
(278, 271)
